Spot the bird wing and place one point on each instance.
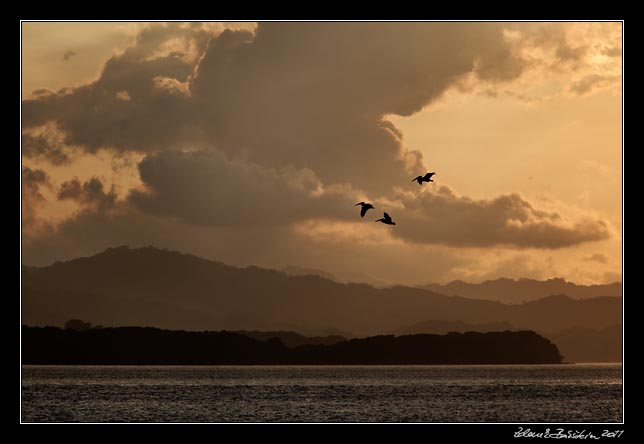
(364, 211)
(428, 176)
(416, 178)
(387, 217)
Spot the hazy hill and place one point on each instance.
(292, 270)
(152, 287)
(576, 344)
(517, 291)
(441, 327)
(583, 344)
(342, 277)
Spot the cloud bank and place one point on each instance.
(286, 124)
(442, 217)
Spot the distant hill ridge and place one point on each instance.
(524, 290)
(341, 277)
(442, 327)
(166, 289)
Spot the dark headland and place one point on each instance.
(151, 346)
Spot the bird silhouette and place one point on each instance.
(365, 207)
(386, 220)
(426, 178)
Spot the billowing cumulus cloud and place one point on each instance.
(314, 94)
(308, 94)
(442, 217)
(206, 188)
(273, 129)
(97, 116)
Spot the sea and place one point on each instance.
(568, 393)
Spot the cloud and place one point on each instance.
(90, 193)
(442, 217)
(32, 180)
(591, 83)
(550, 43)
(251, 138)
(597, 257)
(206, 188)
(493, 93)
(123, 95)
(68, 55)
(98, 115)
(593, 168)
(92, 230)
(309, 95)
(312, 95)
(507, 264)
(46, 143)
(32, 198)
(611, 276)
(612, 51)
(570, 57)
(566, 53)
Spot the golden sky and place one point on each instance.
(250, 144)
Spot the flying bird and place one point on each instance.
(365, 207)
(426, 178)
(386, 220)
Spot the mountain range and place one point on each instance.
(513, 291)
(165, 289)
(343, 277)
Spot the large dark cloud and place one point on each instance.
(289, 123)
(126, 109)
(442, 217)
(312, 95)
(206, 188)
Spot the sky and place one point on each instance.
(251, 143)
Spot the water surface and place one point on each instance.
(505, 393)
